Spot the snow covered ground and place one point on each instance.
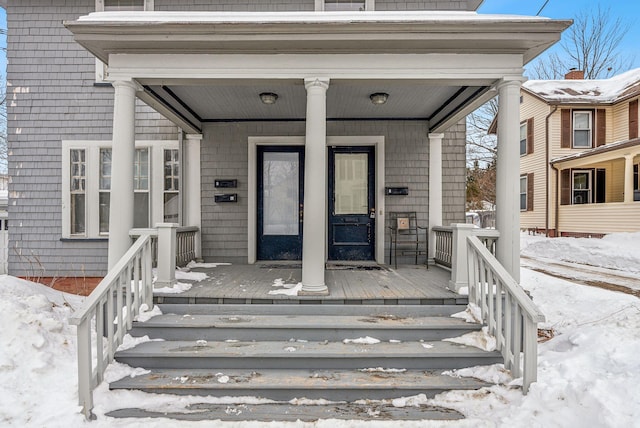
(588, 373)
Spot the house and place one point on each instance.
(268, 131)
(579, 155)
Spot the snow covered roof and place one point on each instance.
(595, 91)
(599, 150)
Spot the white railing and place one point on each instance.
(444, 245)
(511, 316)
(107, 314)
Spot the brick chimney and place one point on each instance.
(574, 74)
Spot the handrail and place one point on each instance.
(130, 284)
(509, 313)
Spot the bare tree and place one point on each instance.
(591, 44)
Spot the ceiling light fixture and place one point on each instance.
(268, 98)
(379, 98)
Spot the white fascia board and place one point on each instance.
(464, 112)
(467, 69)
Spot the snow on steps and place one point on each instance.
(282, 352)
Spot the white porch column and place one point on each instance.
(315, 188)
(435, 189)
(191, 187)
(628, 178)
(123, 151)
(508, 177)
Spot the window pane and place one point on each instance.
(171, 170)
(171, 207)
(141, 170)
(123, 5)
(582, 138)
(351, 190)
(344, 5)
(581, 121)
(523, 193)
(77, 214)
(141, 209)
(105, 169)
(280, 183)
(523, 202)
(103, 210)
(523, 139)
(581, 180)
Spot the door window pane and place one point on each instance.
(351, 191)
(280, 186)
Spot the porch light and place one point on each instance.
(379, 98)
(268, 98)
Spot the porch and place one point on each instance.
(348, 284)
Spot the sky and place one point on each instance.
(627, 10)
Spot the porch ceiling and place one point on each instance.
(345, 100)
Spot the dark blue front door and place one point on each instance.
(351, 203)
(280, 196)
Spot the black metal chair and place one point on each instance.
(404, 232)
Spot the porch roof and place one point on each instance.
(436, 66)
(602, 153)
(105, 33)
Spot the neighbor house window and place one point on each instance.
(344, 5)
(523, 193)
(581, 190)
(78, 185)
(87, 191)
(523, 139)
(582, 129)
(636, 177)
(171, 186)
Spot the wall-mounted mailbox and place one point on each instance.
(226, 183)
(400, 191)
(227, 197)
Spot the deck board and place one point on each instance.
(252, 283)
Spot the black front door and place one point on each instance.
(280, 191)
(352, 203)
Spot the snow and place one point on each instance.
(367, 340)
(588, 373)
(146, 314)
(193, 264)
(587, 91)
(301, 17)
(480, 339)
(286, 289)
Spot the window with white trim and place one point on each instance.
(87, 172)
(582, 132)
(523, 193)
(581, 187)
(171, 186)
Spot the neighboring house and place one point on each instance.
(580, 152)
(214, 98)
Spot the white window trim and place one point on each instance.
(589, 182)
(101, 67)
(92, 156)
(573, 129)
(369, 5)
(526, 196)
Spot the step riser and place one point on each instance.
(284, 334)
(320, 363)
(326, 309)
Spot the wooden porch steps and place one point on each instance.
(284, 352)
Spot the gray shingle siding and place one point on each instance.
(51, 97)
(224, 155)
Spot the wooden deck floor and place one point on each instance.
(238, 284)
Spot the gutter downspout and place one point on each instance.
(546, 173)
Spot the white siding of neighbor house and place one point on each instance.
(600, 218)
(535, 162)
(620, 122)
